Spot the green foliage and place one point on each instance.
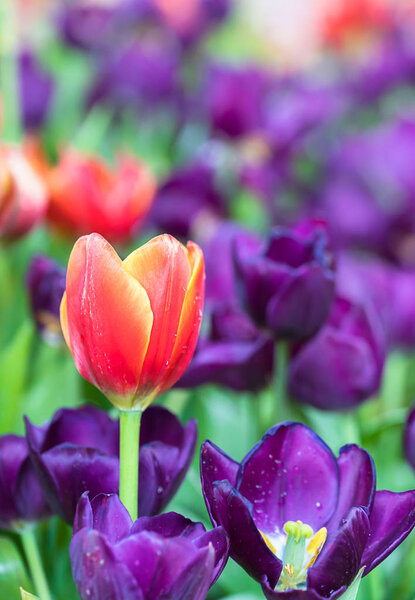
(12, 570)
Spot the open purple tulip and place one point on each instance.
(21, 496)
(343, 364)
(78, 451)
(46, 282)
(286, 282)
(166, 557)
(301, 522)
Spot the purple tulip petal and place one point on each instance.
(215, 465)
(96, 572)
(194, 581)
(339, 561)
(247, 546)
(357, 482)
(302, 304)
(272, 594)
(218, 538)
(86, 426)
(111, 518)
(13, 452)
(392, 518)
(140, 554)
(66, 472)
(169, 525)
(29, 495)
(84, 517)
(290, 475)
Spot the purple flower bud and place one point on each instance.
(409, 438)
(301, 522)
(36, 89)
(286, 283)
(343, 364)
(86, 26)
(190, 195)
(21, 496)
(78, 451)
(46, 282)
(165, 557)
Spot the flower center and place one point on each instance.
(300, 551)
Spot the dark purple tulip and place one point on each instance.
(343, 364)
(36, 89)
(140, 73)
(166, 557)
(300, 521)
(409, 438)
(234, 99)
(21, 496)
(286, 282)
(78, 451)
(190, 195)
(46, 282)
(235, 355)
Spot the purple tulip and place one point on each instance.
(46, 282)
(140, 73)
(21, 496)
(36, 90)
(86, 26)
(166, 557)
(343, 364)
(409, 438)
(78, 451)
(286, 283)
(189, 196)
(235, 355)
(234, 99)
(300, 521)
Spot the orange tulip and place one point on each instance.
(23, 194)
(132, 325)
(86, 196)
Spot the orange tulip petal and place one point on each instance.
(190, 320)
(64, 321)
(109, 317)
(162, 267)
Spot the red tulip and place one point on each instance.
(132, 325)
(86, 196)
(23, 194)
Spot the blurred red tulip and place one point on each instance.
(132, 325)
(23, 194)
(86, 196)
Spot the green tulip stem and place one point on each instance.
(9, 74)
(281, 355)
(129, 448)
(35, 563)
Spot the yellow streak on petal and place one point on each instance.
(316, 544)
(268, 543)
(64, 321)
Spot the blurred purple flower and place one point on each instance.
(21, 496)
(287, 496)
(86, 26)
(46, 282)
(166, 557)
(36, 91)
(189, 196)
(78, 451)
(287, 282)
(343, 364)
(141, 73)
(409, 438)
(234, 99)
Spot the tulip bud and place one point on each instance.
(132, 325)
(23, 195)
(86, 196)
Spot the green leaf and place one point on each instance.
(351, 592)
(12, 571)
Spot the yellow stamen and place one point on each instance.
(316, 544)
(268, 543)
